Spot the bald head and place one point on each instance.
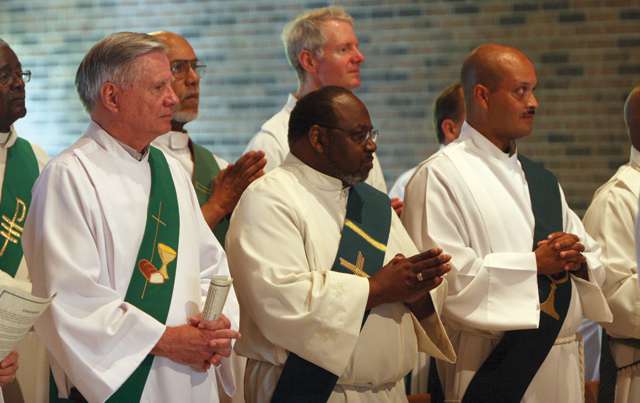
(186, 73)
(487, 65)
(632, 116)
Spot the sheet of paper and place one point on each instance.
(18, 312)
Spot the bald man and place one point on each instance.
(525, 272)
(218, 184)
(610, 219)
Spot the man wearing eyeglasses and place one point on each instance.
(335, 312)
(20, 164)
(218, 184)
(322, 47)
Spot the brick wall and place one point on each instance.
(587, 53)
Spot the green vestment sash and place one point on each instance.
(205, 169)
(153, 276)
(151, 285)
(21, 172)
(361, 252)
(506, 374)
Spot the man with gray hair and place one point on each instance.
(116, 233)
(322, 47)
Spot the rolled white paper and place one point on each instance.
(216, 297)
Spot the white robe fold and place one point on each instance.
(81, 242)
(176, 144)
(282, 242)
(273, 140)
(610, 219)
(472, 200)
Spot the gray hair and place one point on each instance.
(305, 33)
(111, 59)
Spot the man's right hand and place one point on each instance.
(405, 279)
(194, 346)
(229, 185)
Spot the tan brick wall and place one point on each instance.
(587, 53)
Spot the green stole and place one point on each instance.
(153, 276)
(21, 172)
(361, 252)
(506, 374)
(205, 169)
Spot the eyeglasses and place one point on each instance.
(180, 68)
(7, 75)
(358, 137)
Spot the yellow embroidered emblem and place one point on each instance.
(358, 268)
(11, 227)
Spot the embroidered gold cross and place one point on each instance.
(549, 304)
(11, 228)
(358, 268)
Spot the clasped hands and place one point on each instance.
(561, 252)
(199, 344)
(409, 280)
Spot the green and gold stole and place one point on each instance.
(21, 172)
(506, 374)
(205, 169)
(361, 252)
(151, 285)
(153, 276)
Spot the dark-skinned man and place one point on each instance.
(20, 164)
(524, 271)
(217, 183)
(611, 219)
(331, 308)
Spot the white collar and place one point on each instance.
(316, 178)
(291, 103)
(487, 147)
(110, 143)
(174, 140)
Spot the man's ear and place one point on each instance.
(449, 129)
(308, 61)
(481, 95)
(110, 96)
(317, 138)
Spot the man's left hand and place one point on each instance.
(8, 368)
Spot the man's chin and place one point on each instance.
(185, 116)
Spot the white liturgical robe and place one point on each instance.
(273, 140)
(81, 242)
(282, 242)
(33, 368)
(176, 144)
(610, 219)
(472, 200)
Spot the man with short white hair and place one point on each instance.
(323, 48)
(116, 233)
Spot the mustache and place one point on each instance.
(190, 94)
(529, 112)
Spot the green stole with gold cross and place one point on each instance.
(151, 285)
(361, 252)
(205, 169)
(506, 374)
(21, 172)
